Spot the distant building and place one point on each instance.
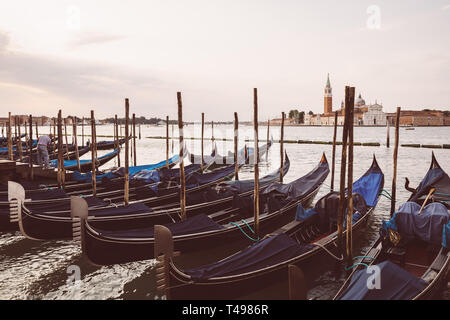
(369, 115)
(375, 116)
(277, 122)
(328, 97)
(420, 118)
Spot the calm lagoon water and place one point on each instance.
(39, 270)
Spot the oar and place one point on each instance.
(432, 190)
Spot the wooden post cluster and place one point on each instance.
(348, 121)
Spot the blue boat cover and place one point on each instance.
(369, 186)
(300, 187)
(73, 163)
(395, 284)
(195, 224)
(144, 172)
(430, 225)
(268, 252)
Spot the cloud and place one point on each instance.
(446, 7)
(4, 41)
(92, 38)
(83, 84)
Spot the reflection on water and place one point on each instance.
(39, 270)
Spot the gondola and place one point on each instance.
(304, 241)
(435, 185)
(51, 201)
(411, 257)
(104, 247)
(245, 156)
(50, 219)
(85, 165)
(107, 145)
(412, 251)
(67, 156)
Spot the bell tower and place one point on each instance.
(328, 97)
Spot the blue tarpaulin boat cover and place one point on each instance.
(144, 172)
(395, 284)
(369, 186)
(429, 225)
(267, 252)
(198, 223)
(298, 188)
(73, 163)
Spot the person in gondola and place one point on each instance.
(42, 149)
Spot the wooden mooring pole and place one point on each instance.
(182, 178)
(283, 116)
(116, 127)
(203, 138)
(10, 141)
(267, 141)
(19, 144)
(134, 140)
(75, 142)
(127, 163)
(31, 148)
(236, 147)
(93, 155)
(167, 141)
(394, 174)
(342, 199)
(256, 163)
(333, 164)
(388, 139)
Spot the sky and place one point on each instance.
(84, 55)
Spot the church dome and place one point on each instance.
(359, 102)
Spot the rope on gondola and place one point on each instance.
(236, 225)
(329, 252)
(360, 263)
